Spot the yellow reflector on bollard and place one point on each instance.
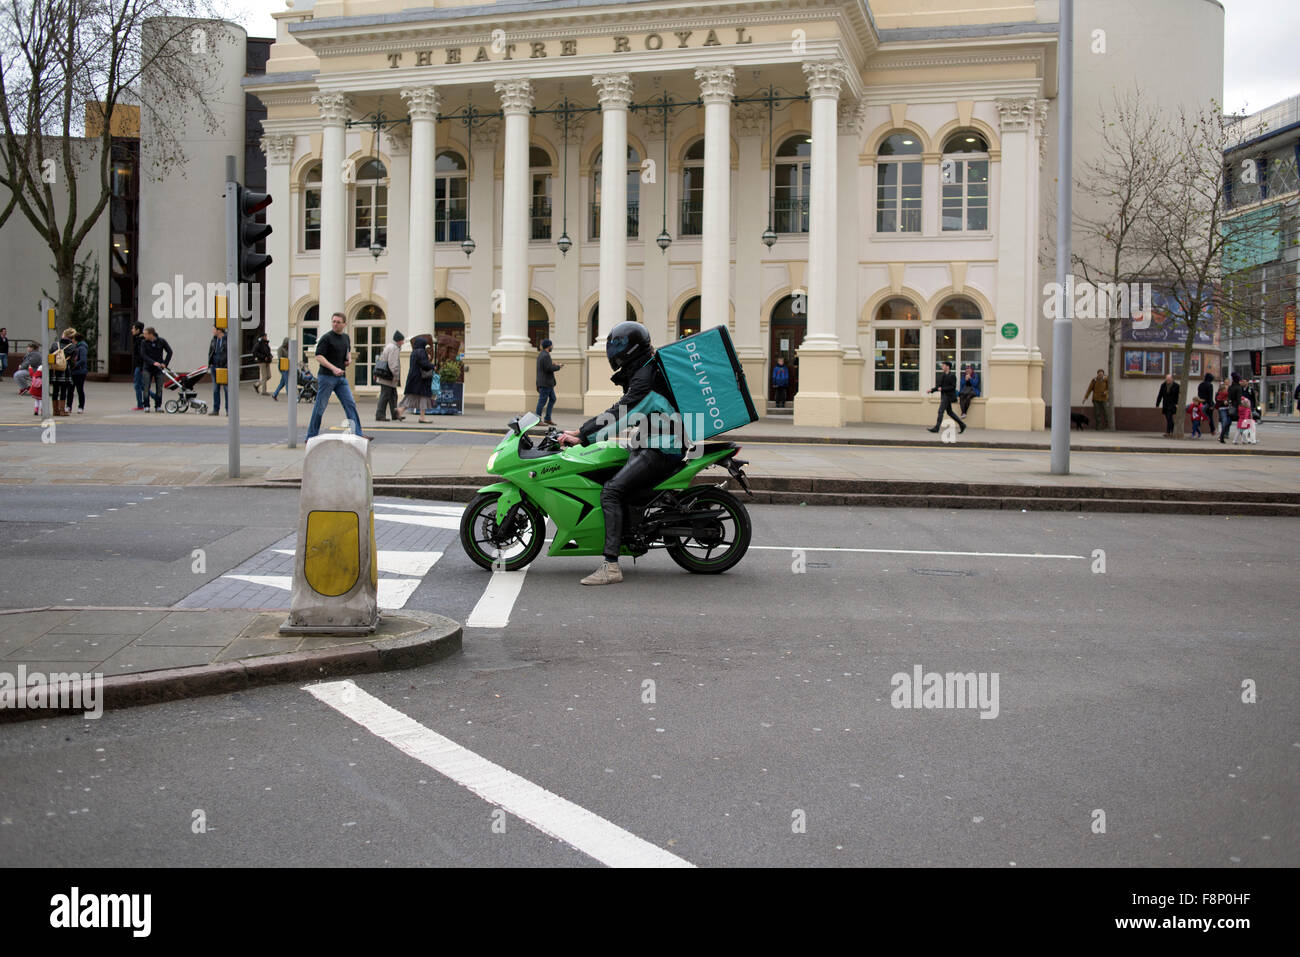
(284, 364)
(332, 558)
(49, 318)
(374, 554)
(222, 375)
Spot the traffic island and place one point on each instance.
(61, 661)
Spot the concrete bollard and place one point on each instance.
(335, 567)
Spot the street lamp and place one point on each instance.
(468, 245)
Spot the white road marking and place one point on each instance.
(428, 521)
(456, 510)
(269, 581)
(395, 592)
(910, 551)
(494, 605)
(548, 812)
(395, 562)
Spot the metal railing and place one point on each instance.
(692, 217)
(633, 220)
(790, 215)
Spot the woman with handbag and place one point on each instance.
(419, 379)
(60, 378)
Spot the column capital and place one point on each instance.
(278, 147)
(613, 90)
(1016, 113)
(717, 83)
(516, 96)
(751, 120)
(335, 108)
(825, 78)
(1040, 127)
(422, 102)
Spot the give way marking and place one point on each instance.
(549, 813)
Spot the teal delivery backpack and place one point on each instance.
(706, 383)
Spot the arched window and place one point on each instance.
(593, 324)
(539, 323)
(308, 333)
(896, 335)
(693, 190)
(898, 184)
(688, 320)
(371, 205)
(959, 336)
(368, 338)
(541, 173)
(450, 197)
(633, 195)
(311, 209)
(793, 184)
(964, 175)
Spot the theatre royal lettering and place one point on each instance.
(566, 46)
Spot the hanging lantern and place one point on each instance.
(664, 240)
(468, 245)
(565, 243)
(768, 237)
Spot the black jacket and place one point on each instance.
(1167, 397)
(217, 352)
(156, 351)
(545, 370)
(1205, 391)
(1234, 396)
(262, 351)
(644, 392)
(416, 384)
(947, 385)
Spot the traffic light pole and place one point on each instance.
(234, 329)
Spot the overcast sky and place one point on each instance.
(1261, 62)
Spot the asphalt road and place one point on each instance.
(771, 737)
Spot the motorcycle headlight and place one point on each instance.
(492, 460)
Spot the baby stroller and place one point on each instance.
(185, 384)
(306, 386)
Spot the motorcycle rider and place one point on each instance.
(655, 453)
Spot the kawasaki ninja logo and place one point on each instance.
(715, 419)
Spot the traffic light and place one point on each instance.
(251, 232)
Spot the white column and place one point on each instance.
(423, 105)
(568, 349)
(516, 103)
(483, 140)
(278, 148)
(334, 112)
(717, 85)
(511, 388)
(818, 401)
(852, 227)
(751, 221)
(614, 92)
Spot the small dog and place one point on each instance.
(1079, 420)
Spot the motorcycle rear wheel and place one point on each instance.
(713, 534)
(478, 531)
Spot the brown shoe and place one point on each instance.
(607, 574)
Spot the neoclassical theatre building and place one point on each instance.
(857, 186)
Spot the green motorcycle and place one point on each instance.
(704, 528)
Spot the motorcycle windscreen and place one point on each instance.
(707, 383)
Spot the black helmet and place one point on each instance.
(627, 343)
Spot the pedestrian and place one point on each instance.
(4, 350)
(34, 387)
(334, 352)
(262, 356)
(1205, 392)
(80, 366)
(780, 382)
(30, 364)
(1251, 391)
(1245, 422)
(388, 373)
(546, 367)
(419, 380)
(137, 368)
(968, 388)
(1167, 402)
(1197, 411)
(947, 389)
(155, 353)
(218, 351)
(1099, 389)
(282, 353)
(1232, 400)
(60, 376)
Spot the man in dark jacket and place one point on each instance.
(155, 353)
(546, 367)
(262, 356)
(1234, 400)
(137, 368)
(947, 389)
(653, 457)
(1167, 402)
(1205, 392)
(217, 360)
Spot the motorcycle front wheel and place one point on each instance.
(501, 549)
(721, 536)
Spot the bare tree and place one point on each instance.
(1189, 229)
(62, 59)
(1116, 187)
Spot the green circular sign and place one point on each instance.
(1010, 330)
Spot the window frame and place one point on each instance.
(375, 211)
(311, 187)
(444, 180)
(895, 327)
(964, 161)
(908, 164)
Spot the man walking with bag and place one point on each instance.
(546, 367)
(947, 389)
(388, 373)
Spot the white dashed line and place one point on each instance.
(910, 551)
(548, 812)
(497, 601)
